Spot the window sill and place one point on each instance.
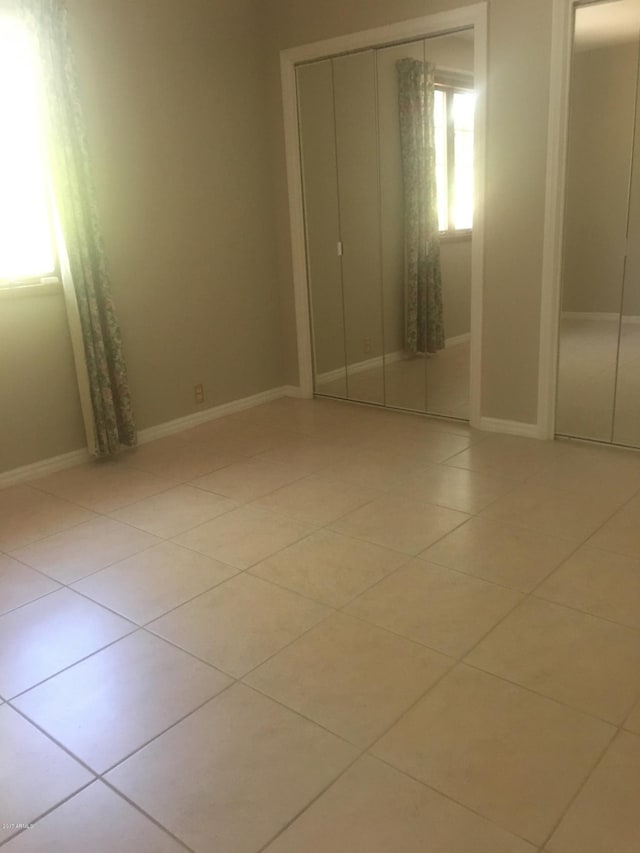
(463, 235)
(40, 287)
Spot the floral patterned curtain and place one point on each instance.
(424, 326)
(93, 323)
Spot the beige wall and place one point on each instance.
(39, 407)
(603, 100)
(175, 103)
(518, 88)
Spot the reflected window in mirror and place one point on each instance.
(454, 108)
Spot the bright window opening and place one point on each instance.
(26, 239)
(454, 116)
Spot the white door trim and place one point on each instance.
(439, 24)
(560, 75)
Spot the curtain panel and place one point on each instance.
(95, 332)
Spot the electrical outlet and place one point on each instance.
(198, 393)
(366, 345)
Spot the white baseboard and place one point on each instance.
(510, 427)
(589, 315)
(77, 457)
(457, 339)
(211, 414)
(631, 319)
(44, 467)
(295, 391)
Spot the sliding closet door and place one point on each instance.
(322, 221)
(601, 126)
(355, 208)
(357, 160)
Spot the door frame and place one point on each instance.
(555, 200)
(432, 25)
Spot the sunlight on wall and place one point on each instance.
(26, 245)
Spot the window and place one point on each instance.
(26, 234)
(454, 113)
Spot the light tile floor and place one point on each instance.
(326, 628)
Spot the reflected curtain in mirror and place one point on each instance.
(424, 325)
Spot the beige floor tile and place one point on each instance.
(228, 435)
(572, 515)
(455, 488)
(318, 499)
(510, 755)
(605, 816)
(174, 511)
(109, 705)
(244, 536)
(49, 634)
(253, 765)
(508, 456)
(240, 623)
(593, 469)
(307, 454)
(329, 567)
(35, 774)
(250, 479)
(19, 584)
(145, 586)
(432, 447)
(27, 515)
(599, 582)
(96, 820)
(375, 809)
(103, 486)
(399, 522)
(503, 553)
(570, 656)
(177, 459)
(622, 532)
(355, 679)
(85, 548)
(439, 607)
(633, 720)
(371, 469)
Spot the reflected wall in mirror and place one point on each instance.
(322, 222)
(387, 148)
(597, 387)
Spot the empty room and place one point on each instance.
(319, 426)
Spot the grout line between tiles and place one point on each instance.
(48, 811)
(164, 731)
(145, 814)
(450, 798)
(524, 687)
(581, 787)
(79, 660)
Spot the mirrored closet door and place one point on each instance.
(599, 352)
(386, 138)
